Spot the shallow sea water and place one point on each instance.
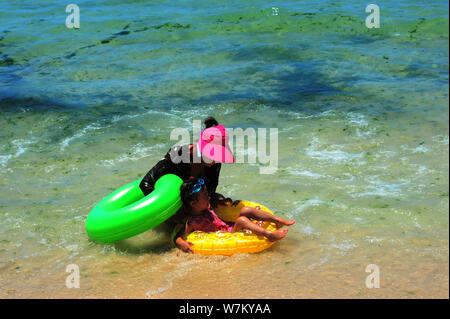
(362, 119)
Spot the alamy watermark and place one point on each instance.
(261, 146)
(373, 19)
(373, 280)
(73, 19)
(73, 280)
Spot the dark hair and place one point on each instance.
(186, 191)
(210, 122)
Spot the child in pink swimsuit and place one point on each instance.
(196, 205)
(208, 222)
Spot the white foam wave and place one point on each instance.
(345, 246)
(117, 118)
(420, 148)
(152, 293)
(372, 239)
(21, 147)
(304, 173)
(135, 153)
(301, 206)
(90, 127)
(335, 156)
(350, 178)
(357, 119)
(4, 159)
(308, 230)
(363, 129)
(387, 154)
(442, 139)
(320, 263)
(159, 114)
(380, 188)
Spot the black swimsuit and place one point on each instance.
(181, 169)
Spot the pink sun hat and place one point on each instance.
(213, 144)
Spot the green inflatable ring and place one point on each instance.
(126, 212)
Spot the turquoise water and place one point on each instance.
(362, 119)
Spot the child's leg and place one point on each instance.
(252, 212)
(244, 223)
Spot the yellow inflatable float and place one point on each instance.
(224, 243)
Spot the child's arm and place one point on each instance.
(183, 244)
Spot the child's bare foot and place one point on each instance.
(277, 234)
(284, 222)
